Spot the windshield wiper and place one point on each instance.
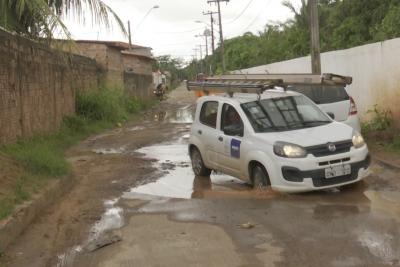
(316, 122)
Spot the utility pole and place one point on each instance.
(201, 58)
(196, 61)
(212, 28)
(221, 36)
(315, 41)
(129, 35)
(205, 35)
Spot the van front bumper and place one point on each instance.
(318, 176)
(299, 177)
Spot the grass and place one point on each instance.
(381, 131)
(42, 156)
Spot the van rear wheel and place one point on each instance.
(198, 166)
(259, 177)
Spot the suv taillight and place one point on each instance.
(353, 107)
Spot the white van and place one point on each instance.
(277, 138)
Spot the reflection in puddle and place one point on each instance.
(182, 115)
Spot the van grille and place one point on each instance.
(323, 150)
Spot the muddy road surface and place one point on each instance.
(138, 203)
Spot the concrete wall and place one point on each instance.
(375, 69)
(37, 86)
(138, 85)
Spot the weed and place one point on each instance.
(102, 105)
(382, 120)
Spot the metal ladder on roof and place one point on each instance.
(258, 83)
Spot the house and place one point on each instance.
(122, 65)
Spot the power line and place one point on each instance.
(253, 21)
(256, 18)
(241, 13)
(180, 32)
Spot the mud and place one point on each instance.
(163, 215)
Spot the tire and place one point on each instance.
(259, 177)
(198, 166)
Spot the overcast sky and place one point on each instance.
(171, 28)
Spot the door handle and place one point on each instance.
(199, 131)
(220, 138)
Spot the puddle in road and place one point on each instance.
(136, 128)
(380, 245)
(178, 180)
(182, 115)
(111, 219)
(385, 202)
(109, 151)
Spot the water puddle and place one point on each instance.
(109, 151)
(100, 234)
(380, 245)
(387, 202)
(183, 115)
(178, 180)
(136, 128)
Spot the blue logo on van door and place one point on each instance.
(235, 148)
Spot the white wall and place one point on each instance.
(375, 69)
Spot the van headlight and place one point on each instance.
(288, 150)
(358, 140)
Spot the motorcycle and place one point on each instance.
(159, 92)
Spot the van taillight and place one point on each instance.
(353, 107)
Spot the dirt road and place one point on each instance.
(137, 203)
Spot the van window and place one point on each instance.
(208, 113)
(231, 119)
(322, 94)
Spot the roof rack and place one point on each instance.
(290, 78)
(257, 83)
(233, 86)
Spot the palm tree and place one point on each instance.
(42, 18)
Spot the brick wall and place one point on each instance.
(37, 86)
(109, 60)
(137, 64)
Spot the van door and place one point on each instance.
(230, 140)
(207, 131)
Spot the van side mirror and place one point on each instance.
(330, 114)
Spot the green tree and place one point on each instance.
(343, 24)
(42, 18)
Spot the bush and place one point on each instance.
(104, 104)
(382, 120)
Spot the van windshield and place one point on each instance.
(284, 113)
(322, 94)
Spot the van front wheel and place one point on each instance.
(259, 177)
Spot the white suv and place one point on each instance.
(334, 100)
(278, 138)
